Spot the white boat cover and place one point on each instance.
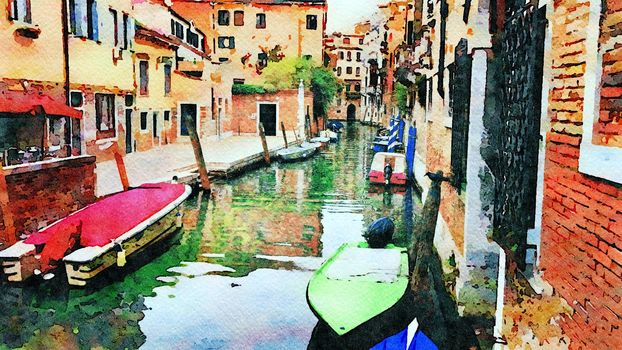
(365, 264)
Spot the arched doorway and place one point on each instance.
(351, 112)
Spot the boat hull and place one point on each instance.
(21, 260)
(294, 155)
(81, 273)
(356, 285)
(377, 177)
(368, 334)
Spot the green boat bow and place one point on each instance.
(343, 292)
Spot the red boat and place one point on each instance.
(393, 165)
(98, 236)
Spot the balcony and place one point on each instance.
(191, 68)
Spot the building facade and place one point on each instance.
(241, 35)
(347, 62)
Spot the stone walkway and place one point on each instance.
(162, 163)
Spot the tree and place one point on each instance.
(325, 87)
(400, 97)
(287, 73)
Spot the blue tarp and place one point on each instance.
(393, 141)
(410, 151)
(335, 125)
(400, 340)
(400, 130)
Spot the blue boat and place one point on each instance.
(410, 338)
(380, 146)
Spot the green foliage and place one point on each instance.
(324, 86)
(287, 73)
(400, 97)
(247, 89)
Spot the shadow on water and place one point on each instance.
(234, 277)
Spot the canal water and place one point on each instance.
(235, 277)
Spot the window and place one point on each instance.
(115, 27)
(349, 56)
(143, 121)
(129, 100)
(422, 93)
(126, 27)
(76, 99)
(346, 41)
(19, 10)
(104, 115)
(192, 38)
(144, 77)
(338, 71)
(601, 147)
(340, 55)
(167, 79)
(226, 42)
(410, 32)
(154, 124)
(358, 56)
(238, 18)
(358, 71)
(467, 9)
(223, 18)
(74, 27)
(92, 24)
(83, 19)
(347, 87)
(311, 22)
(262, 59)
(361, 41)
(167, 116)
(348, 70)
(357, 87)
(261, 21)
(177, 29)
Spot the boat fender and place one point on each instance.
(178, 221)
(121, 259)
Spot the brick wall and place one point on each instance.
(608, 130)
(42, 194)
(581, 253)
(245, 113)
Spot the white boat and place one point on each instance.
(295, 153)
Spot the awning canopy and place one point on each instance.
(20, 103)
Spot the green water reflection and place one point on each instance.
(296, 212)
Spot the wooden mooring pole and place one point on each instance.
(264, 144)
(118, 158)
(7, 215)
(198, 152)
(284, 134)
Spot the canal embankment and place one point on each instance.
(223, 158)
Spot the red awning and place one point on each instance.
(20, 103)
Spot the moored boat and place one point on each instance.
(98, 236)
(296, 153)
(380, 146)
(332, 135)
(388, 168)
(359, 293)
(322, 140)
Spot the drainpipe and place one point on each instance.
(65, 29)
(65, 50)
